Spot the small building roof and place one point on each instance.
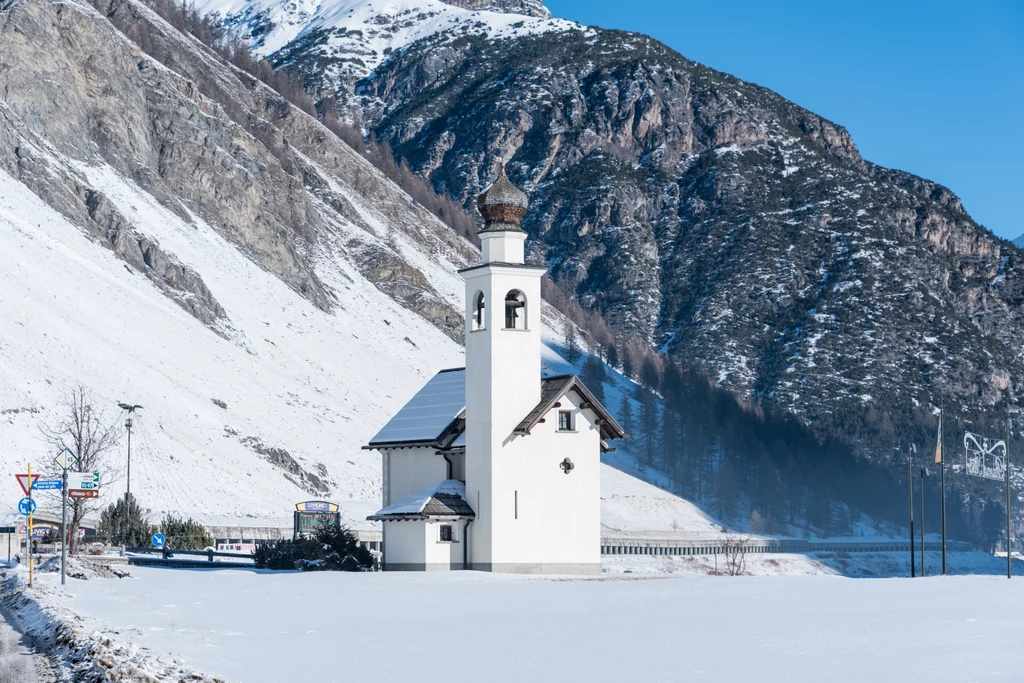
(444, 499)
(429, 416)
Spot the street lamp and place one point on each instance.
(128, 425)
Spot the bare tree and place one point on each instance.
(734, 547)
(89, 434)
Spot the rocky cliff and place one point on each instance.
(720, 221)
(212, 144)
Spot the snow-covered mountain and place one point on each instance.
(175, 235)
(341, 41)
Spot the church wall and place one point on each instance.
(415, 545)
(404, 545)
(413, 469)
(546, 521)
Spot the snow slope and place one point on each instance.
(238, 624)
(316, 385)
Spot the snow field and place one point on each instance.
(269, 627)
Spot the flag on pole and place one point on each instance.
(938, 442)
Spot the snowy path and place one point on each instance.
(264, 627)
(18, 662)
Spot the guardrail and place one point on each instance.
(639, 546)
(167, 557)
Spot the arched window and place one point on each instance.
(515, 310)
(478, 311)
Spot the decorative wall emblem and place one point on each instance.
(566, 465)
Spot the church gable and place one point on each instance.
(553, 390)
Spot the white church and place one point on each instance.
(492, 466)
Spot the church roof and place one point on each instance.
(554, 388)
(502, 205)
(436, 415)
(430, 417)
(445, 499)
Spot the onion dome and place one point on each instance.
(502, 205)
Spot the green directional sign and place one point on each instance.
(87, 481)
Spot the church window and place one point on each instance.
(446, 533)
(565, 420)
(515, 310)
(478, 311)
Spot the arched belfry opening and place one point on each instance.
(515, 310)
(478, 311)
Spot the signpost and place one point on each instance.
(23, 480)
(65, 460)
(158, 540)
(47, 485)
(312, 515)
(83, 485)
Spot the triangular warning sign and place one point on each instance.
(23, 480)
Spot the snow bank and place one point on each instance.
(87, 655)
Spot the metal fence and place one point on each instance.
(639, 546)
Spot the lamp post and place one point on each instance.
(131, 408)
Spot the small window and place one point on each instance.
(446, 533)
(478, 312)
(515, 310)
(565, 420)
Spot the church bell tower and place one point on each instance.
(503, 364)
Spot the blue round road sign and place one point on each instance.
(26, 506)
(158, 540)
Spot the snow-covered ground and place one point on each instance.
(253, 627)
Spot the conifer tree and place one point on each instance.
(572, 344)
(593, 375)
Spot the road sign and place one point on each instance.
(158, 540)
(83, 493)
(26, 506)
(23, 481)
(7, 529)
(65, 459)
(46, 485)
(83, 480)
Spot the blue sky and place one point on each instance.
(933, 88)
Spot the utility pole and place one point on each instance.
(131, 408)
(910, 487)
(924, 472)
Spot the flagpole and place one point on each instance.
(910, 485)
(942, 469)
(1009, 565)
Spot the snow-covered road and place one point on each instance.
(253, 627)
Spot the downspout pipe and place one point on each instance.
(450, 466)
(465, 543)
